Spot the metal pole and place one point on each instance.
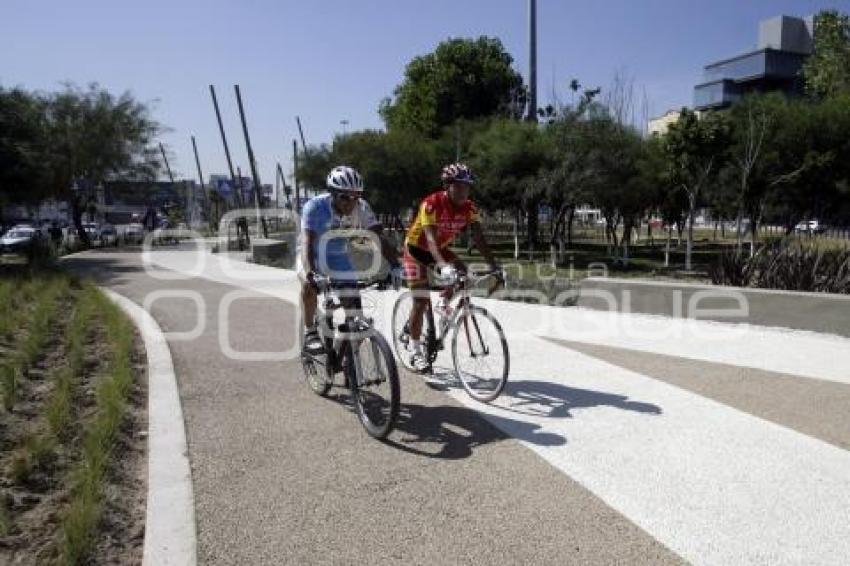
(165, 159)
(532, 61)
(295, 176)
(200, 174)
(226, 148)
(301, 133)
(283, 185)
(252, 162)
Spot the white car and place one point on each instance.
(134, 233)
(809, 227)
(20, 239)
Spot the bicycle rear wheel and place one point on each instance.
(480, 354)
(373, 377)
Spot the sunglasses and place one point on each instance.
(348, 197)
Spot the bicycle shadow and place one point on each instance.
(451, 432)
(547, 399)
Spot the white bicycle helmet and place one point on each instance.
(345, 178)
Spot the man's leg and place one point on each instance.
(416, 315)
(308, 304)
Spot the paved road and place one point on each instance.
(620, 439)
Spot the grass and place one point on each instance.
(80, 521)
(36, 455)
(60, 406)
(43, 295)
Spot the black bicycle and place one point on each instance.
(479, 348)
(354, 348)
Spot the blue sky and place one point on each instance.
(333, 60)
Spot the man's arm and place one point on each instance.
(388, 250)
(482, 245)
(433, 247)
(309, 251)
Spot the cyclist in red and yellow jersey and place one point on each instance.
(442, 215)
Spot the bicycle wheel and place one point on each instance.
(316, 375)
(401, 335)
(480, 354)
(373, 378)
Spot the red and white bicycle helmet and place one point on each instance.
(457, 173)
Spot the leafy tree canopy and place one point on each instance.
(462, 78)
(827, 71)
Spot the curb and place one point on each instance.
(170, 516)
(689, 285)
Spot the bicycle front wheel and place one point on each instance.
(401, 332)
(480, 354)
(373, 377)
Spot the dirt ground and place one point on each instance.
(32, 508)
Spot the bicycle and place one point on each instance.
(356, 349)
(478, 343)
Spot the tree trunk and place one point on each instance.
(690, 241)
(77, 220)
(533, 223)
(570, 227)
(516, 235)
(667, 247)
(738, 235)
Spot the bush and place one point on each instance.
(794, 266)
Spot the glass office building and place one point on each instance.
(784, 45)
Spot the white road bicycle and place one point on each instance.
(479, 349)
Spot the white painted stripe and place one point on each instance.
(715, 485)
(170, 523)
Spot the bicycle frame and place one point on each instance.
(353, 330)
(461, 302)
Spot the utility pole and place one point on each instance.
(532, 61)
(295, 176)
(165, 159)
(303, 144)
(241, 223)
(252, 162)
(286, 189)
(200, 174)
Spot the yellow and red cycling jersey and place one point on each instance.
(437, 210)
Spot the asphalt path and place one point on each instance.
(283, 476)
(620, 438)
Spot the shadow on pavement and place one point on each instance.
(547, 399)
(451, 432)
(104, 268)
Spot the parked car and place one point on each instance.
(134, 233)
(810, 227)
(21, 239)
(107, 236)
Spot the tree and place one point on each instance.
(398, 167)
(507, 157)
(462, 78)
(753, 119)
(22, 147)
(93, 137)
(695, 149)
(827, 71)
